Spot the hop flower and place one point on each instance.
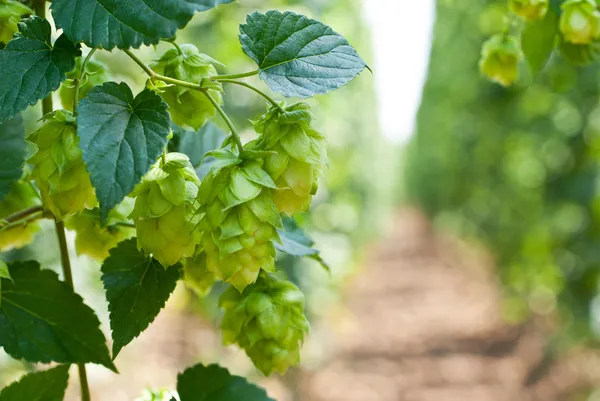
(196, 275)
(580, 21)
(21, 196)
(299, 155)
(164, 212)
(266, 320)
(95, 74)
(187, 106)
(500, 57)
(529, 9)
(95, 239)
(58, 168)
(11, 12)
(239, 222)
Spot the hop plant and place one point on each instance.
(58, 167)
(11, 12)
(500, 57)
(197, 276)
(297, 155)
(529, 9)
(239, 222)
(266, 320)
(21, 196)
(96, 73)
(187, 106)
(164, 212)
(580, 21)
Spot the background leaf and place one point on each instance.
(31, 67)
(121, 138)
(295, 242)
(49, 385)
(538, 40)
(298, 56)
(137, 288)
(12, 153)
(214, 383)
(43, 320)
(197, 144)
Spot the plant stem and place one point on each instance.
(172, 41)
(23, 222)
(77, 81)
(23, 214)
(263, 94)
(234, 132)
(163, 78)
(234, 76)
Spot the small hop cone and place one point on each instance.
(164, 212)
(266, 320)
(21, 196)
(58, 167)
(300, 155)
(197, 276)
(580, 21)
(529, 9)
(11, 12)
(500, 57)
(96, 73)
(239, 223)
(187, 106)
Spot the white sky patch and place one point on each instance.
(401, 43)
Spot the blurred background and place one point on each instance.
(460, 219)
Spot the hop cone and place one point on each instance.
(579, 21)
(529, 9)
(21, 196)
(164, 212)
(239, 222)
(500, 57)
(95, 74)
(197, 276)
(11, 12)
(187, 106)
(95, 239)
(300, 155)
(58, 168)
(266, 320)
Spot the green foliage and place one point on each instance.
(538, 40)
(21, 196)
(11, 12)
(12, 153)
(197, 144)
(49, 385)
(92, 74)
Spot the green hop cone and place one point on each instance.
(299, 155)
(96, 73)
(21, 196)
(58, 167)
(164, 212)
(11, 12)
(187, 106)
(239, 222)
(196, 275)
(95, 239)
(266, 320)
(529, 9)
(500, 57)
(580, 21)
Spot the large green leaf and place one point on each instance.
(49, 385)
(12, 153)
(295, 242)
(43, 320)
(197, 144)
(214, 383)
(31, 67)
(125, 24)
(137, 288)
(121, 138)
(298, 56)
(538, 40)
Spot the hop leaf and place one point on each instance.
(500, 57)
(266, 320)
(58, 167)
(21, 196)
(529, 9)
(96, 73)
(11, 13)
(580, 21)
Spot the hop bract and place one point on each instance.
(266, 320)
(58, 167)
(96, 73)
(20, 197)
(188, 106)
(298, 157)
(197, 276)
(580, 21)
(239, 222)
(164, 212)
(500, 57)
(529, 9)
(11, 12)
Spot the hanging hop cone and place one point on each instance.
(529, 9)
(58, 168)
(11, 12)
(164, 212)
(95, 239)
(500, 57)
(188, 106)
(298, 155)
(579, 21)
(266, 320)
(21, 196)
(196, 275)
(96, 73)
(239, 222)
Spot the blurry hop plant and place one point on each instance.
(580, 21)
(500, 58)
(529, 9)
(11, 12)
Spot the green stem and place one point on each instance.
(164, 157)
(263, 94)
(23, 222)
(23, 214)
(234, 132)
(234, 76)
(77, 81)
(163, 78)
(172, 41)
